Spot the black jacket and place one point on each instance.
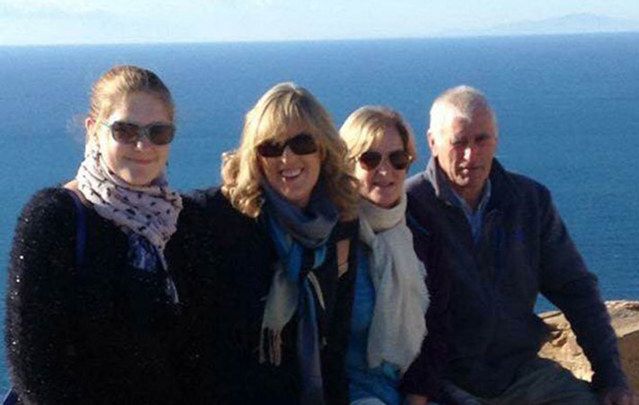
(103, 332)
(224, 299)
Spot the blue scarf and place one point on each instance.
(144, 256)
(293, 290)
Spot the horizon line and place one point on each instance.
(315, 40)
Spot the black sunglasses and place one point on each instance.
(399, 159)
(127, 133)
(300, 144)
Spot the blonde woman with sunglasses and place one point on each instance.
(91, 302)
(281, 249)
(387, 360)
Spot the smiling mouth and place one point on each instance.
(387, 185)
(290, 174)
(142, 161)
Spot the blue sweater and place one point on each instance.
(380, 382)
(523, 249)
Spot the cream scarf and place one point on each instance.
(398, 326)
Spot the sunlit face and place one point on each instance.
(292, 176)
(464, 150)
(383, 185)
(142, 162)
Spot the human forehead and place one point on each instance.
(481, 123)
(387, 139)
(140, 108)
(280, 132)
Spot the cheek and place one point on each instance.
(164, 154)
(361, 175)
(401, 177)
(110, 151)
(266, 170)
(454, 157)
(315, 165)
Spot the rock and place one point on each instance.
(564, 349)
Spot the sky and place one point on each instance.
(30, 22)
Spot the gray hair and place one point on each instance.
(458, 102)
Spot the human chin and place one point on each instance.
(295, 185)
(139, 173)
(297, 192)
(384, 196)
(294, 181)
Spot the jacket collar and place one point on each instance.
(504, 192)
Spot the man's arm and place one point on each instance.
(567, 283)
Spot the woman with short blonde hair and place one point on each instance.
(388, 323)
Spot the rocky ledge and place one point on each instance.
(564, 349)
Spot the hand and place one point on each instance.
(412, 399)
(619, 396)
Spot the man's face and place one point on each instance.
(464, 150)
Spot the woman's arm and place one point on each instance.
(40, 325)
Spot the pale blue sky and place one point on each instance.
(138, 21)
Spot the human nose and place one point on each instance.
(470, 152)
(143, 140)
(467, 152)
(287, 153)
(384, 165)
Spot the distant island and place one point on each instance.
(581, 23)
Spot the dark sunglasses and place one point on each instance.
(300, 144)
(127, 133)
(399, 159)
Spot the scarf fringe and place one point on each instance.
(271, 344)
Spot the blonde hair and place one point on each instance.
(368, 124)
(120, 81)
(458, 102)
(285, 105)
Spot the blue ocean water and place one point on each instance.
(568, 110)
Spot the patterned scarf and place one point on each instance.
(148, 214)
(295, 231)
(398, 326)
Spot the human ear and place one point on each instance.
(431, 142)
(89, 123)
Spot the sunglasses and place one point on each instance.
(127, 133)
(399, 159)
(300, 144)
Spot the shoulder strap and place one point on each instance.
(10, 398)
(81, 230)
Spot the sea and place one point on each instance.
(567, 107)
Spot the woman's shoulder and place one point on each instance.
(49, 205)
(210, 199)
(45, 234)
(217, 209)
(211, 211)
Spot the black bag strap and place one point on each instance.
(81, 230)
(11, 397)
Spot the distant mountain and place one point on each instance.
(567, 24)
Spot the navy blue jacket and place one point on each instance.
(524, 249)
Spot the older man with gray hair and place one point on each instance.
(500, 241)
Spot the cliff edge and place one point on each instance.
(564, 349)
